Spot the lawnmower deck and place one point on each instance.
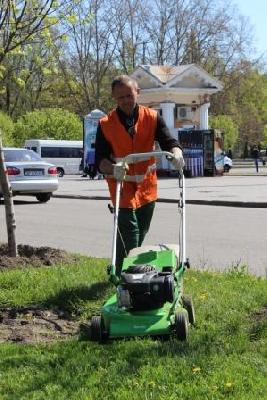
(121, 322)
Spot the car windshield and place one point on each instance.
(21, 155)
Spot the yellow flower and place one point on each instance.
(203, 296)
(228, 384)
(196, 369)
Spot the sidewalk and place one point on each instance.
(236, 189)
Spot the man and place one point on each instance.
(256, 154)
(132, 128)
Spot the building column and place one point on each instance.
(204, 116)
(167, 114)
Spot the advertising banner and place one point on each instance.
(90, 123)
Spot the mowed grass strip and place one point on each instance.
(225, 356)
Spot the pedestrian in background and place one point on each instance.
(255, 153)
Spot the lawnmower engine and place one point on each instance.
(142, 287)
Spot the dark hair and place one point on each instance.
(123, 80)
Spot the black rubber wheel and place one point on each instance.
(43, 197)
(97, 329)
(60, 172)
(140, 269)
(189, 306)
(181, 325)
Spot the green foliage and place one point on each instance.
(47, 123)
(7, 128)
(244, 98)
(264, 141)
(227, 125)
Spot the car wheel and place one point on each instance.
(43, 197)
(60, 172)
(181, 325)
(189, 306)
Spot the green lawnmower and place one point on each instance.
(149, 298)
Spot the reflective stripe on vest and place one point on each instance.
(140, 178)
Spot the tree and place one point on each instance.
(264, 139)
(245, 99)
(29, 31)
(88, 54)
(209, 33)
(7, 128)
(22, 20)
(229, 128)
(48, 123)
(9, 206)
(24, 77)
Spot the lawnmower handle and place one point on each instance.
(135, 157)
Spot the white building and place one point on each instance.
(181, 93)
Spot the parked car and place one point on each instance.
(263, 156)
(28, 174)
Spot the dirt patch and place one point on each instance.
(258, 324)
(34, 256)
(35, 325)
(260, 314)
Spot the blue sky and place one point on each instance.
(256, 10)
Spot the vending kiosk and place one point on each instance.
(198, 150)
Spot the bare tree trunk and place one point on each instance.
(9, 206)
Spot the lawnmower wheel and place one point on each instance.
(96, 329)
(189, 306)
(181, 325)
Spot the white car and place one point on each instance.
(29, 175)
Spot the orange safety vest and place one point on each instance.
(140, 185)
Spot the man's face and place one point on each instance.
(126, 97)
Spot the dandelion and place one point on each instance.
(196, 369)
(203, 296)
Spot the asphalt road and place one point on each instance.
(217, 237)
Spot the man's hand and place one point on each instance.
(178, 160)
(119, 171)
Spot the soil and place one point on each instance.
(34, 257)
(35, 324)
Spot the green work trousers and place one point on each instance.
(133, 224)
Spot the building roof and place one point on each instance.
(162, 76)
(165, 73)
(182, 84)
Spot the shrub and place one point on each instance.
(7, 129)
(50, 123)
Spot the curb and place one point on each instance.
(218, 203)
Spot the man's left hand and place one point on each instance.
(178, 160)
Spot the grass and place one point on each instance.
(225, 357)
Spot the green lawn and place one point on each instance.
(225, 357)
